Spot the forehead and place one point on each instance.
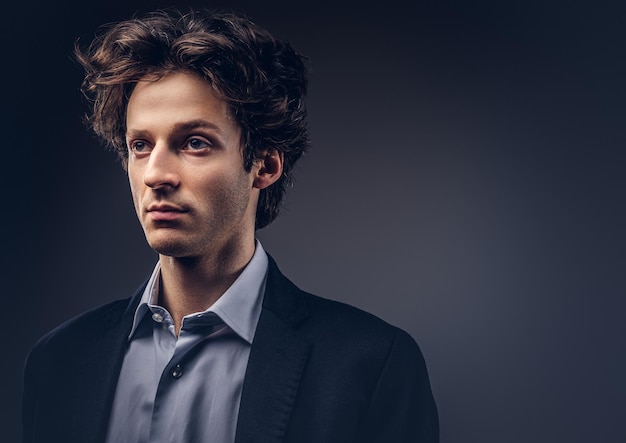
(177, 98)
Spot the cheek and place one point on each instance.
(135, 189)
(226, 189)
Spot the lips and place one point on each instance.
(165, 212)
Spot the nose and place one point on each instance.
(161, 171)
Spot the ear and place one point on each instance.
(270, 168)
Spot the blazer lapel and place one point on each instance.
(277, 360)
(102, 363)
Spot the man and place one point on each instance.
(206, 111)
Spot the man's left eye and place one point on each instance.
(196, 144)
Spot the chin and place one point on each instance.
(171, 247)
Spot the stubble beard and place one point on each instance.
(219, 234)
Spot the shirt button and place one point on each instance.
(177, 372)
(157, 317)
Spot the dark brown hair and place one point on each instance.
(262, 79)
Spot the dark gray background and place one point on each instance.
(466, 183)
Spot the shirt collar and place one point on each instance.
(239, 307)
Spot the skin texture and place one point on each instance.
(193, 197)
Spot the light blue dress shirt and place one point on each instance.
(188, 388)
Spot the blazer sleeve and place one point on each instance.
(402, 408)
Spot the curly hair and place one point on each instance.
(263, 80)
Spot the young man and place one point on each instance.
(206, 111)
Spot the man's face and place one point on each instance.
(191, 192)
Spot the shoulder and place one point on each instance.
(340, 320)
(333, 323)
(93, 319)
(81, 331)
(81, 328)
(72, 344)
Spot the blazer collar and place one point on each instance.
(277, 360)
(283, 298)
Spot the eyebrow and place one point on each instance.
(194, 124)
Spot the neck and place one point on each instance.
(193, 284)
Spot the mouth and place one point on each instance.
(165, 212)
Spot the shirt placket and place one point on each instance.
(174, 358)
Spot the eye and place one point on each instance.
(138, 146)
(197, 144)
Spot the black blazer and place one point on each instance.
(319, 372)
